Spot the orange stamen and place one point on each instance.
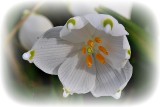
(89, 61)
(84, 50)
(98, 40)
(90, 43)
(101, 48)
(100, 58)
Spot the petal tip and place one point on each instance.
(66, 92)
(127, 33)
(107, 29)
(70, 26)
(117, 95)
(65, 95)
(26, 56)
(29, 56)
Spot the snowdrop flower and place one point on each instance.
(32, 29)
(89, 53)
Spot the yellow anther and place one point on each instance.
(98, 40)
(102, 49)
(100, 58)
(84, 50)
(89, 61)
(90, 43)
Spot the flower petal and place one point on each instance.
(117, 47)
(127, 49)
(109, 80)
(76, 30)
(114, 46)
(119, 30)
(117, 95)
(126, 43)
(128, 69)
(53, 32)
(126, 46)
(66, 92)
(49, 53)
(75, 75)
(106, 23)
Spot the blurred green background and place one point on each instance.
(27, 83)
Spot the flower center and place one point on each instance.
(94, 47)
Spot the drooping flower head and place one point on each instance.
(89, 53)
(33, 29)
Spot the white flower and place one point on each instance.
(89, 53)
(33, 29)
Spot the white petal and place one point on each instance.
(70, 26)
(119, 30)
(53, 32)
(128, 73)
(98, 21)
(126, 43)
(108, 29)
(128, 69)
(127, 49)
(115, 47)
(117, 95)
(65, 95)
(66, 92)
(117, 55)
(126, 46)
(51, 52)
(75, 74)
(109, 80)
(32, 29)
(26, 56)
(78, 32)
